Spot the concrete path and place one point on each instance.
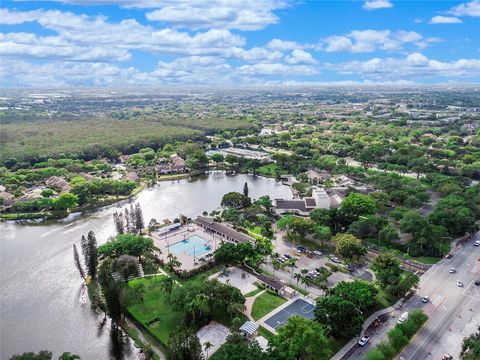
(141, 331)
(249, 304)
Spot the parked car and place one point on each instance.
(452, 271)
(335, 259)
(317, 252)
(459, 283)
(425, 299)
(449, 256)
(476, 243)
(348, 267)
(447, 357)
(363, 340)
(403, 318)
(287, 256)
(477, 282)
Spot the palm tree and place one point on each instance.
(173, 262)
(306, 281)
(199, 306)
(235, 307)
(207, 347)
(297, 277)
(293, 264)
(167, 284)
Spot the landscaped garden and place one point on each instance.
(155, 312)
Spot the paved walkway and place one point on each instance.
(141, 336)
(249, 305)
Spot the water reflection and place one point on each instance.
(39, 300)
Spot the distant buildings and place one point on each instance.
(318, 200)
(177, 165)
(243, 153)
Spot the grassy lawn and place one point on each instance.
(265, 333)
(429, 260)
(269, 170)
(155, 313)
(252, 293)
(266, 303)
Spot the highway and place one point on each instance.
(454, 312)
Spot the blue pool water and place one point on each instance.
(194, 245)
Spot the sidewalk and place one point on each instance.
(249, 305)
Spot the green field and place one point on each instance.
(265, 303)
(89, 138)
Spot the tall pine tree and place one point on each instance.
(78, 264)
(89, 251)
(139, 224)
(245, 189)
(119, 223)
(93, 257)
(132, 219)
(128, 226)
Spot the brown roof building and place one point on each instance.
(223, 230)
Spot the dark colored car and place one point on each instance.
(477, 282)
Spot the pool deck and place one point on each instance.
(163, 241)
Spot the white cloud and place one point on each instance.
(338, 43)
(377, 4)
(439, 19)
(414, 66)
(192, 70)
(363, 41)
(271, 69)
(218, 14)
(283, 45)
(471, 8)
(21, 45)
(423, 44)
(92, 34)
(64, 74)
(300, 57)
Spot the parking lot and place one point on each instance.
(310, 262)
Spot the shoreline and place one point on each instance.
(101, 203)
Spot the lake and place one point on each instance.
(40, 306)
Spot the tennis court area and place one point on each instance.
(297, 307)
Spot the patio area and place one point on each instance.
(214, 333)
(237, 278)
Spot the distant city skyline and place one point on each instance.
(238, 43)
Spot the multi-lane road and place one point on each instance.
(454, 311)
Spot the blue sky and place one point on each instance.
(238, 42)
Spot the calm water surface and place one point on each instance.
(40, 287)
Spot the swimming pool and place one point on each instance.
(193, 246)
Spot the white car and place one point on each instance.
(335, 259)
(452, 271)
(476, 243)
(363, 340)
(425, 299)
(403, 318)
(316, 252)
(459, 283)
